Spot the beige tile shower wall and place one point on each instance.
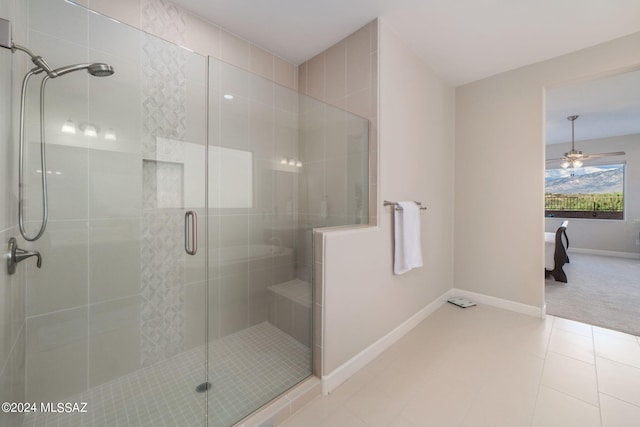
(346, 75)
(170, 22)
(179, 26)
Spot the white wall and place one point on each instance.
(600, 234)
(363, 299)
(499, 163)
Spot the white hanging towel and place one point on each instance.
(408, 251)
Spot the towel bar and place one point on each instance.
(398, 208)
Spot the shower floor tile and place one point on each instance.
(246, 370)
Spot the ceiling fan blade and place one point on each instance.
(554, 160)
(599, 155)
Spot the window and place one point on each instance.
(595, 191)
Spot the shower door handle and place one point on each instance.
(190, 232)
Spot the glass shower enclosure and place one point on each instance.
(176, 285)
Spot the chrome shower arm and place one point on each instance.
(6, 41)
(42, 64)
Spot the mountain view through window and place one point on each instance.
(588, 192)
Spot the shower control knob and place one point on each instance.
(17, 255)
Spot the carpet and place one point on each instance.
(601, 291)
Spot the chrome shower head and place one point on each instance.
(96, 69)
(100, 70)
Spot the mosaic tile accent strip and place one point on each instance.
(164, 124)
(164, 94)
(169, 150)
(164, 19)
(247, 369)
(162, 266)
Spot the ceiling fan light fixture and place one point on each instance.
(574, 159)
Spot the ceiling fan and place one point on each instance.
(573, 159)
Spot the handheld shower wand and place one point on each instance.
(95, 69)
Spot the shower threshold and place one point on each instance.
(246, 370)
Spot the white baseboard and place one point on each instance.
(629, 255)
(529, 310)
(331, 381)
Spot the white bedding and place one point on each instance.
(549, 250)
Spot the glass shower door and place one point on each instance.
(259, 341)
(116, 315)
(279, 164)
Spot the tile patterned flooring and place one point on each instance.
(247, 369)
(483, 366)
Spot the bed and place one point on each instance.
(555, 249)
